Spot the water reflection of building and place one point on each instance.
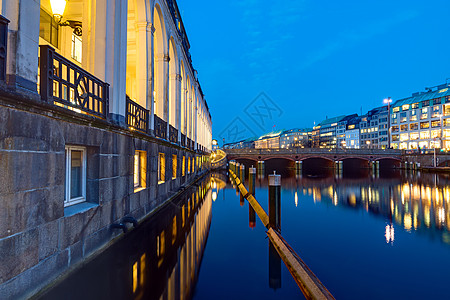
(418, 204)
(158, 260)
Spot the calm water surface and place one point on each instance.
(366, 236)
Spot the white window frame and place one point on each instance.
(68, 155)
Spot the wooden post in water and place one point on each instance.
(251, 190)
(242, 178)
(275, 201)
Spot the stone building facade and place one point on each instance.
(90, 138)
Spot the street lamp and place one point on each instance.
(388, 101)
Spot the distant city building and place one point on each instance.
(270, 140)
(374, 129)
(295, 138)
(340, 130)
(324, 135)
(244, 144)
(420, 121)
(352, 134)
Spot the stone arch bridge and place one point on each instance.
(300, 154)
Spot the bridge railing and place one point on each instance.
(314, 151)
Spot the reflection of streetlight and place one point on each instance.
(440, 123)
(388, 101)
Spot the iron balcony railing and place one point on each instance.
(137, 116)
(160, 127)
(3, 46)
(173, 134)
(65, 84)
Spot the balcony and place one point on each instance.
(160, 128)
(183, 140)
(137, 116)
(173, 134)
(65, 84)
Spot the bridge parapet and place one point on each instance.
(300, 154)
(315, 151)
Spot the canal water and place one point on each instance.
(365, 236)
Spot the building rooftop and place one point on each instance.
(423, 96)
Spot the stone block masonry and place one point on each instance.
(40, 237)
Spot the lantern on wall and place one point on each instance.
(58, 7)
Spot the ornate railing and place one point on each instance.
(160, 127)
(183, 140)
(173, 134)
(65, 84)
(3, 46)
(137, 116)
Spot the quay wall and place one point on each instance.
(40, 238)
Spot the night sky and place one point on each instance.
(293, 63)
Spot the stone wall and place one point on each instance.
(40, 239)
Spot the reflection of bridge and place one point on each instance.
(299, 154)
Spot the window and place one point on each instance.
(414, 105)
(414, 136)
(174, 166)
(425, 103)
(447, 110)
(161, 168)
(48, 28)
(405, 107)
(75, 183)
(395, 137)
(189, 165)
(404, 127)
(435, 124)
(435, 134)
(413, 126)
(140, 169)
(424, 125)
(435, 111)
(77, 47)
(403, 117)
(394, 128)
(396, 109)
(424, 135)
(413, 115)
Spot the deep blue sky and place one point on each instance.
(313, 58)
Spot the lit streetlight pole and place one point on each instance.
(388, 101)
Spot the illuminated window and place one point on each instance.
(414, 105)
(404, 127)
(161, 168)
(423, 145)
(435, 124)
(435, 111)
(414, 136)
(394, 128)
(396, 109)
(424, 125)
(403, 117)
(403, 137)
(140, 169)
(75, 182)
(174, 166)
(189, 165)
(49, 29)
(447, 110)
(424, 135)
(183, 166)
(435, 134)
(405, 107)
(413, 126)
(77, 47)
(395, 137)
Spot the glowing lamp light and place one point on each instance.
(58, 7)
